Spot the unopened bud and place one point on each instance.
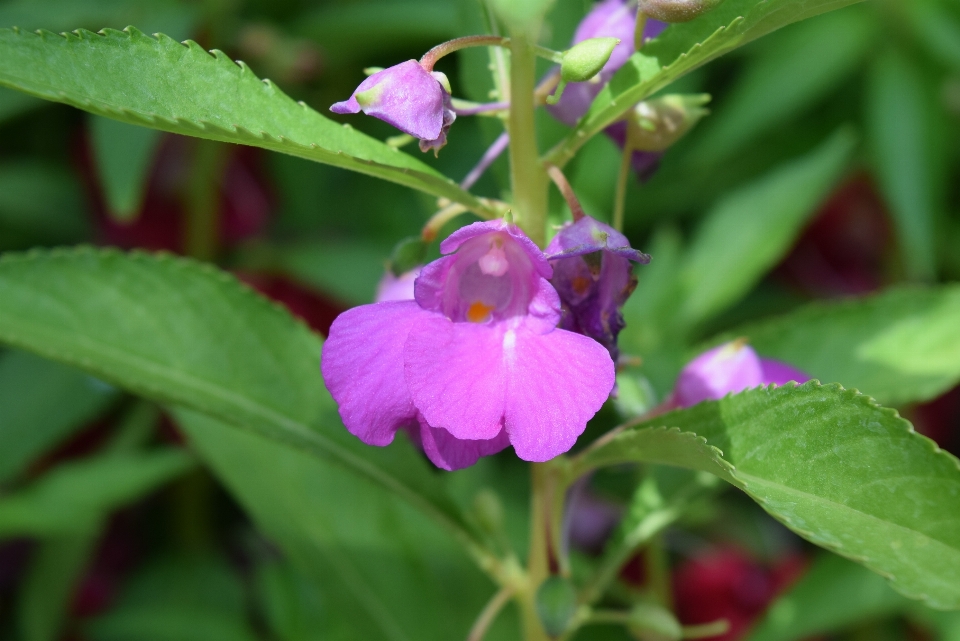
(408, 254)
(584, 60)
(651, 622)
(657, 124)
(556, 605)
(488, 511)
(677, 10)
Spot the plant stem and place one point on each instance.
(202, 229)
(528, 179)
(488, 158)
(444, 48)
(622, 177)
(576, 209)
(658, 571)
(538, 563)
(489, 613)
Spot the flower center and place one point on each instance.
(478, 312)
(494, 262)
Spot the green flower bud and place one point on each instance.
(584, 60)
(409, 253)
(556, 605)
(655, 125)
(651, 622)
(676, 10)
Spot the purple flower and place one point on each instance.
(728, 369)
(475, 363)
(410, 98)
(594, 277)
(399, 287)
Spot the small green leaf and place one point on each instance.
(901, 136)
(41, 403)
(123, 155)
(169, 16)
(681, 49)
(76, 496)
(181, 88)
(752, 228)
(833, 594)
(831, 465)
(178, 331)
(900, 346)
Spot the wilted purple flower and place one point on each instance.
(728, 369)
(410, 98)
(475, 362)
(594, 277)
(399, 287)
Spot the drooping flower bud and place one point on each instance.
(407, 96)
(655, 125)
(584, 60)
(677, 10)
(728, 369)
(593, 274)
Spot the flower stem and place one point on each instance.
(622, 177)
(430, 58)
(576, 209)
(489, 613)
(528, 179)
(538, 562)
(488, 158)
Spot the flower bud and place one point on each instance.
(556, 605)
(584, 60)
(677, 10)
(657, 124)
(651, 622)
(727, 369)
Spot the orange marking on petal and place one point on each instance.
(478, 312)
(581, 285)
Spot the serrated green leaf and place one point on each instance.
(182, 332)
(681, 48)
(831, 465)
(751, 229)
(123, 155)
(76, 496)
(900, 129)
(174, 18)
(833, 594)
(383, 571)
(181, 88)
(41, 403)
(900, 346)
(793, 71)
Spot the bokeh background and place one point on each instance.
(863, 104)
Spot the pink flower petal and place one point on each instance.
(778, 373)
(462, 235)
(455, 375)
(555, 383)
(450, 453)
(362, 366)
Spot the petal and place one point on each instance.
(348, 106)
(399, 287)
(544, 309)
(450, 453)
(362, 366)
(429, 286)
(407, 97)
(727, 369)
(462, 235)
(779, 373)
(455, 375)
(555, 383)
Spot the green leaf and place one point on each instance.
(182, 332)
(831, 465)
(46, 592)
(292, 605)
(681, 48)
(169, 16)
(42, 202)
(76, 496)
(901, 136)
(41, 403)
(186, 598)
(751, 229)
(123, 154)
(833, 594)
(181, 88)
(791, 72)
(383, 571)
(900, 346)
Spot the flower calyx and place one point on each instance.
(655, 125)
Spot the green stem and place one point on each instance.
(538, 564)
(202, 232)
(430, 58)
(658, 571)
(489, 613)
(528, 179)
(622, 177)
